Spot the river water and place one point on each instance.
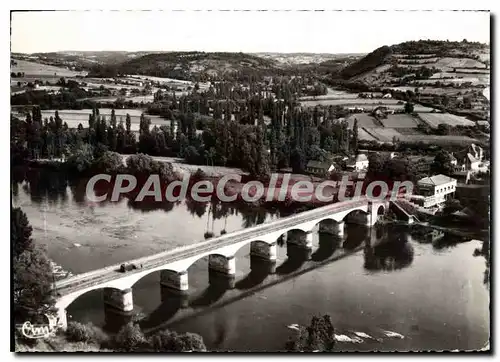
(383, 288)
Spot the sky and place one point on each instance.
(271, 31)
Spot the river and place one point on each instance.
(404, 294)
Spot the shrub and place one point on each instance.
(81, 159)
(318, 337)
(130, 338)
(144, 165)
(79, 332)
(169, 341)
(109, 162)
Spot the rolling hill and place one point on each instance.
(189, 65)
(424, 61)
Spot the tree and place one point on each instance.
(169, 341)
(81, 159)
(319, 336)
(298, 160)
(376, 165)
(451, 205)
(109, 162)
(355, 136)
(409, 108)
(20, 232)
(130, 338)
(32, 285)
(443, 129)
(442, 164)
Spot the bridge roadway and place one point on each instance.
(100, 276)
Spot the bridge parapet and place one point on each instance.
(173, 264)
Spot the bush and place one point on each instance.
(79, 332)
(318, 337)
(109, 162)
(130, 338)
(169, 341)
(144, 165)
(81, 159)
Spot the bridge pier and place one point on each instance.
(173, 297)
(121, 300)
(262, 250)
(301, 239)
(62, 318)
(178, 282)
(221, 281)
(222, 264)
(332, 227)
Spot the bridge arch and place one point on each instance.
(64, 301)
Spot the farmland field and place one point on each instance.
(331, 94)
(349, 102)
(364, 120)
(434, 119)
(472, 70)
(439, 140)
(42, 70)
(400, 121)
(385, 134)
(419, 60)
(365, 136)
(459, 63)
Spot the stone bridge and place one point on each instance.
(221, 251)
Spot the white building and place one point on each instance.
(435, 190)
(471, 159)
(360, 163)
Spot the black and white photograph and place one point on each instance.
(250, 180)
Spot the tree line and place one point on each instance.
(224, 125)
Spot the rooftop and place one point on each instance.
(361, 157)
(436, 180)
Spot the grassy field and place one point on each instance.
(400, 121)
(42, 70)
(364, 120)
(434, 119)
(388, 134)
(365, 136)
(349, 102)
(385, 134)
(439, 140)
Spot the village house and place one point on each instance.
(320, 168)
(434, 190)
(471, 159)
(358, 163)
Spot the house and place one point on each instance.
(320, 168)
(359, 163)
(470, 159)
(434, 190)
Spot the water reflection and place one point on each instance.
(328, 244)
(396, 253)
(297, 255)
(355, 237)
(54, 188)
(218, 285)
(260, 269)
